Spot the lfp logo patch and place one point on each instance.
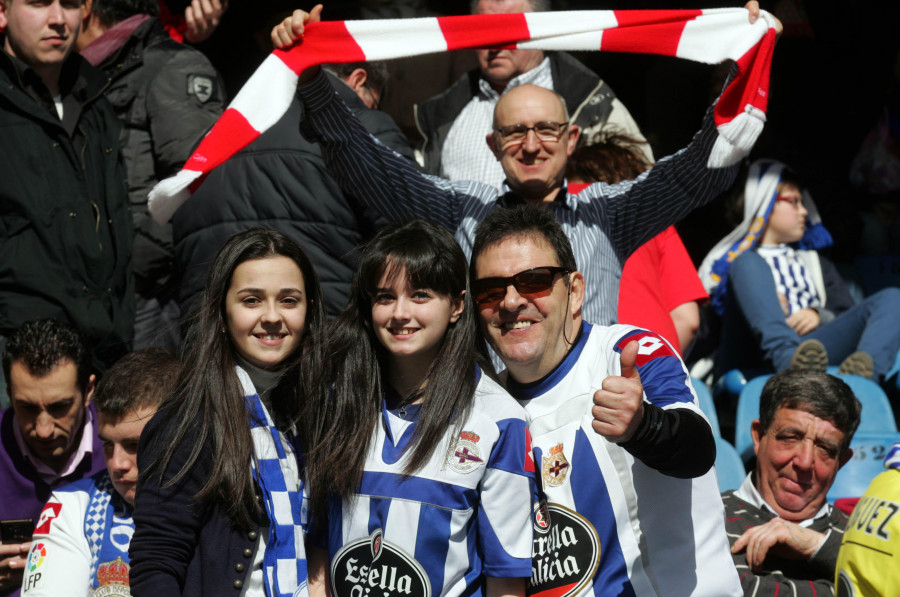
(36, 556)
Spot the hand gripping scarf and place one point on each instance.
(284, 561)
(708, 36)
(760, 192)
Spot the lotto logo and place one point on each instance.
(50, 511)
(650, 347)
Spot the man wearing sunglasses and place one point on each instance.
(632, 505)
(532, 139)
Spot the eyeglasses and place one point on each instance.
(545, 131)
(529, 282)
(795, 201)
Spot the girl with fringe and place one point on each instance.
(422, 478)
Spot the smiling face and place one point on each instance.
(40, 33)
(265, 310)
(797, 460)
(533, 333)
(499, 67)
(534, 168)
(120, 437)
(787, 222)
(50, 410)
(411, 322)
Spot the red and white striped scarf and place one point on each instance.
(708, 36)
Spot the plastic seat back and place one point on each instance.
(729, 467)
(707, 405)
(869, 450)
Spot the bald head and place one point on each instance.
(534, 100)
(534, 164)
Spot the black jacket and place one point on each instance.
(65, 228)
(181, 546)
(167, 96)
(588, 99)
(280, 182)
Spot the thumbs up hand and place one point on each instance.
(619, 405)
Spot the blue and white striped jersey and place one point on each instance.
(464, 515)
(617, 526)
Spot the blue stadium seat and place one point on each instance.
(729, 468)
(877, 414)
(707, 405)
(747, 412)
(869, 450)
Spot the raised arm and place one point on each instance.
(368, 171)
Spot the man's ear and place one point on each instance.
(756, 433)
(576, 292)
(86, 9)
(3, 19)
(89, 390)
(357, 79)
(572, 141)
(494, 145)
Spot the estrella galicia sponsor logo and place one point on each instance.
(565, 558)
(373, 567)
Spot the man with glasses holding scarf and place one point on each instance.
(532, 139)
(624, 454)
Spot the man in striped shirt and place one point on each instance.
(532, 139)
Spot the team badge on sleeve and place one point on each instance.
(650, 346)
(201, 87)
(466, 457)
(33, 567)
(372, 566)
(555, 467)
(50, 511)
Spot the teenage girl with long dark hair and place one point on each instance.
(421, 477)
(219, 490)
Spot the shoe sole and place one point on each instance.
(858, 363)
(810, 354)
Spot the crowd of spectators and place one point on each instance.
(395, 296)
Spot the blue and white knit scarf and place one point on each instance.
(284, 561)
(108, 525)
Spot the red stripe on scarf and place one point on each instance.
(753, 87)
(653, 36)
(212, 151)
(475, 31)
(328, 41)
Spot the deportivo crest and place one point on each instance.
(565, 557)
(555, 467)
(373, 567)
(201, 87)
(466, 456)
(112, 578)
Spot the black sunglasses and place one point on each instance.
(528, 282)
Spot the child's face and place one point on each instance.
(265, 310)
(409, 321)
(787, 222)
